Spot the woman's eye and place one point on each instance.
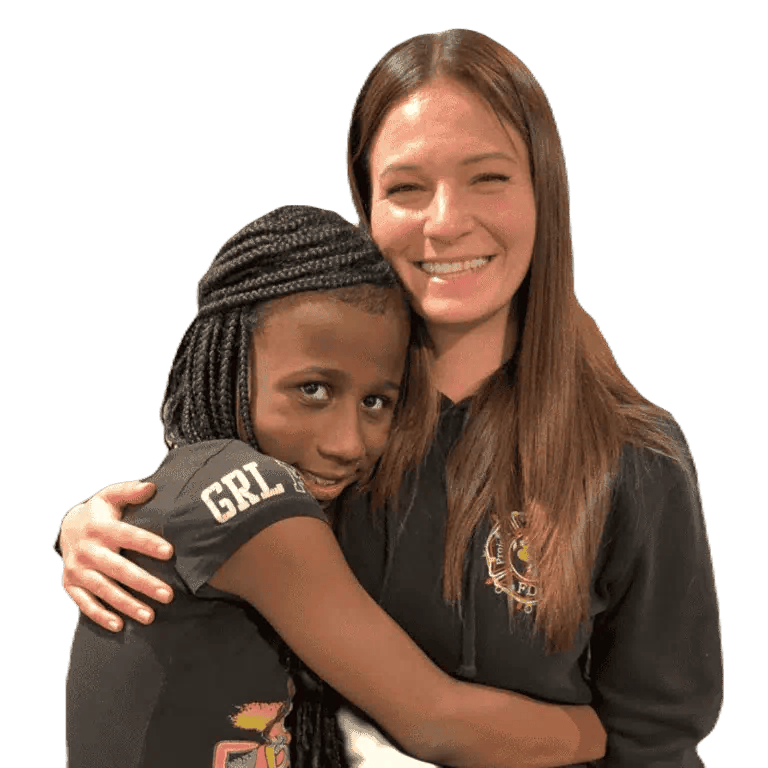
(492, 177)
(401, 188)
(376, 402)
(315, 391)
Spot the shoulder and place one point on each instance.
(225, 476)
(655, 502)
(648, 472)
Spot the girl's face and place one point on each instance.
(452, 204)
(327, 378)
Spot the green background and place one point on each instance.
(138, 137)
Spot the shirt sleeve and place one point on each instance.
(218, 496)
(656, 660)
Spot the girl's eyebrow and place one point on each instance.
(338, 375)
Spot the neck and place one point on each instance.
(465, 356)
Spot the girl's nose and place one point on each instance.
(343, 441)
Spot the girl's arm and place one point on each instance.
(296, 576)
(92, 534)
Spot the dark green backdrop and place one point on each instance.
(138, 137)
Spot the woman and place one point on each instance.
(280, 355)
(571, 500)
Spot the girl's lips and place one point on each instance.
(325, 489)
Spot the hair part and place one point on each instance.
(544, 436)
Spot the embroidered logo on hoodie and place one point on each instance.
(511, 571)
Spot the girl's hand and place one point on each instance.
(92, 535)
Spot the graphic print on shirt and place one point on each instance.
(225, 504)
(271, 748)
(511, 571)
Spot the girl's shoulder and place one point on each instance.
(209, 456)
(225, 469)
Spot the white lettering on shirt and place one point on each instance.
(266, 491)
(221, 503)
(224, 503)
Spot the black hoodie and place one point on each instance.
(649, 661)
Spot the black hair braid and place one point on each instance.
(316, 738)
(199, 376)
(242, 384)
(188, 425)
(224, 387)
(214, 355)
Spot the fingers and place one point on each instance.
(96, 568)
(94, 610)
(131, 492)
(103, 522)
(117, 598)
(93, 589)
(126, 536)
(118, 568)
(92, 536)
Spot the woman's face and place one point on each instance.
(324, 384)
(452, 204)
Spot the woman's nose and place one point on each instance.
(447, 217)
(343, 440)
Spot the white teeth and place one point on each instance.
(444, 268)
(319, 480)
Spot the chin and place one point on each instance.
(457, 316)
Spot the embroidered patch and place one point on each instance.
(511, 572)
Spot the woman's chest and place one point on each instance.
(479, 637)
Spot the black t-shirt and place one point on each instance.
(203, 684)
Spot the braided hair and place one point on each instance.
(291, 250)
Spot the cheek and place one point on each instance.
(391, 229)
(376, 440)
(277, 429)
(513, 215)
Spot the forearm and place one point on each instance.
(490, 727)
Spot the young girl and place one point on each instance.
(280, 353)
(557, 508)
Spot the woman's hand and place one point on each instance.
(91, 537)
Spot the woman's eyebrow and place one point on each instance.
(488, 156)
(392, 167)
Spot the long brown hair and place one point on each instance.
(543, 437)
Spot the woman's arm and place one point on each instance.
(91, 537)
(295, 575)
(657, 673)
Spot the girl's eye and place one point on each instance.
(376, 402)
(315, 391)
(492, 177)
